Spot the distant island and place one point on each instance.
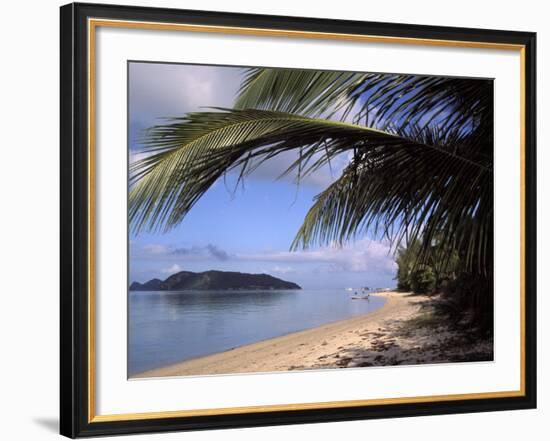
(213, 280)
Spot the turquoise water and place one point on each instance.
(168, 327)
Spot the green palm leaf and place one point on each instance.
(305, 92)
(411, 194)
(414, 194)
(395, 185)
(191, 153)
(379, 100)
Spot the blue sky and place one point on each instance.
(248, 229)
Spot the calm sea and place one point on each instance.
(168, 327)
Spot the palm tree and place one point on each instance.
(421, 166)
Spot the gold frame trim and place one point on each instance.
(92, 25)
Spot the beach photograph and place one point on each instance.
(289, 220)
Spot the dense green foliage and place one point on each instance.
(428, 275)
(464, 296)
(423, 279)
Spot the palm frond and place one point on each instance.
(377, 100)
(306, 92)
(412, 194)
(191, 153)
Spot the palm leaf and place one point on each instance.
(191, 153)
(454, 114)
(306, 92)
(408, 194)
(378, 100)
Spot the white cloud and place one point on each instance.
(159, 90)
(156, 249)
(363, 255)
(322, 177)
(171, 270)
(163, 252)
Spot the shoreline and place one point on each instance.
(404, 331)
(298, 350)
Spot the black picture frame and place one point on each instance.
(76, 419)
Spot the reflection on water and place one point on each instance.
(167, 327)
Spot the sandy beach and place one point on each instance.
(403, 331)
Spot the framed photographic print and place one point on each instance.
(273, 220)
